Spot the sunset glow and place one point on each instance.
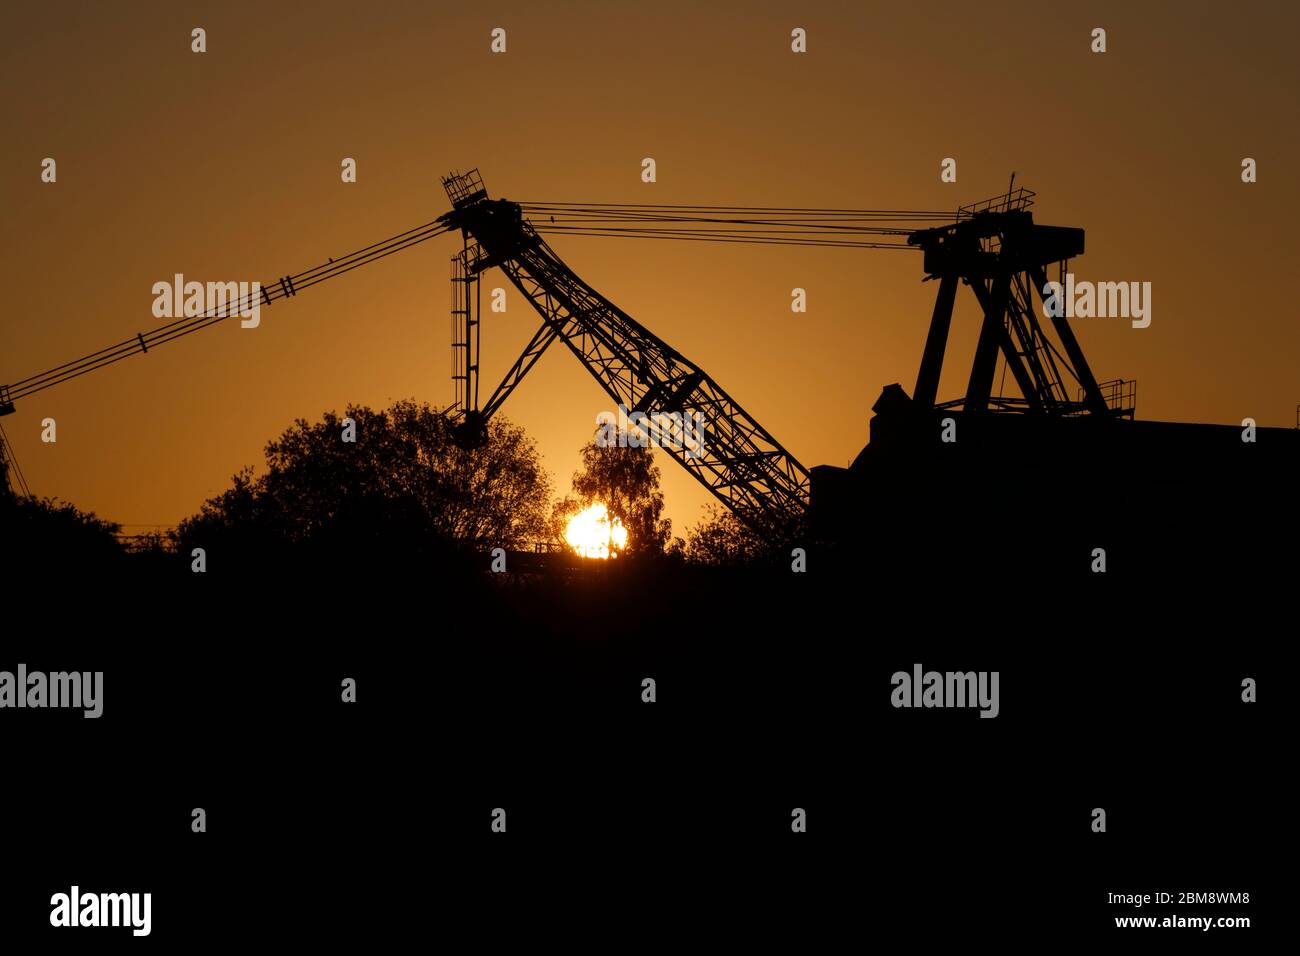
(593, 534)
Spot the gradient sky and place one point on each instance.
(225, 166)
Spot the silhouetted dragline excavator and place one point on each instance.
(994, 247)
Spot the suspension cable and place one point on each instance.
(763, 225)
(768, 225)
(7, 448)
(288, 286)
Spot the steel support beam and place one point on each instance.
(936, 343)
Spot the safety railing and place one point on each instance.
(1018, 198)
(1120, 395)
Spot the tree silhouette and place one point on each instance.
(403, 485)
(626, 481)
(43, 533)
(723, 539)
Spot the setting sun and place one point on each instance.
(594, 534)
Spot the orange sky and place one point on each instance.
(225, 166)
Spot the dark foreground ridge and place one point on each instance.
(524, 691)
